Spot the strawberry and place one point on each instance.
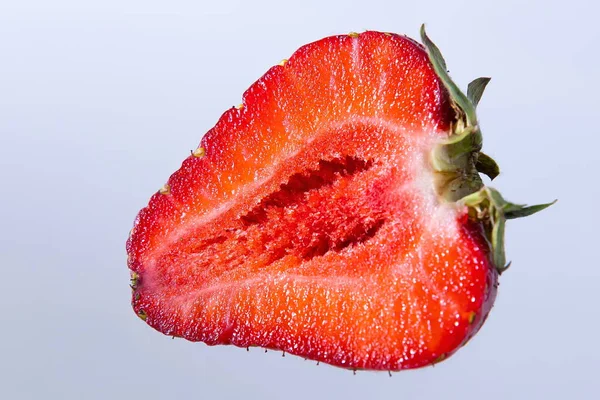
(338, 214)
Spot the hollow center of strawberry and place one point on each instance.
(323, 204)
(291, 220)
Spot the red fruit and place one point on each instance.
(337, 215)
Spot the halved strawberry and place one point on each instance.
(338, 214)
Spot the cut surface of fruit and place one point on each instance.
(310, 219)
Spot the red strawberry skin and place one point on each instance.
(308, 219)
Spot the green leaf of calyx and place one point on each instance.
(486, 165)
(433, 50)
(523, 211)
(498, 252)
(439, 65)
(476, 88)
(492, 210)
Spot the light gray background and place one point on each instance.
(100, 101)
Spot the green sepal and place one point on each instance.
(497, 240)
(439, 65)
(433, 51)
(475, 90)
(526, 211)
(489, 207)
(486, 165)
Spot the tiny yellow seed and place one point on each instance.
(142, 314)
(440, 358)
(239, 106)
(471, 317)
(199, 152)
(353, 34)
(166, 189)
(283, 62)
(134, 280)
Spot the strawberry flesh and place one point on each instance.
(312, 224)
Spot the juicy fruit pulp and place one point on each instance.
(310, 219)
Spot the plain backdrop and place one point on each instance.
(100, 101)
